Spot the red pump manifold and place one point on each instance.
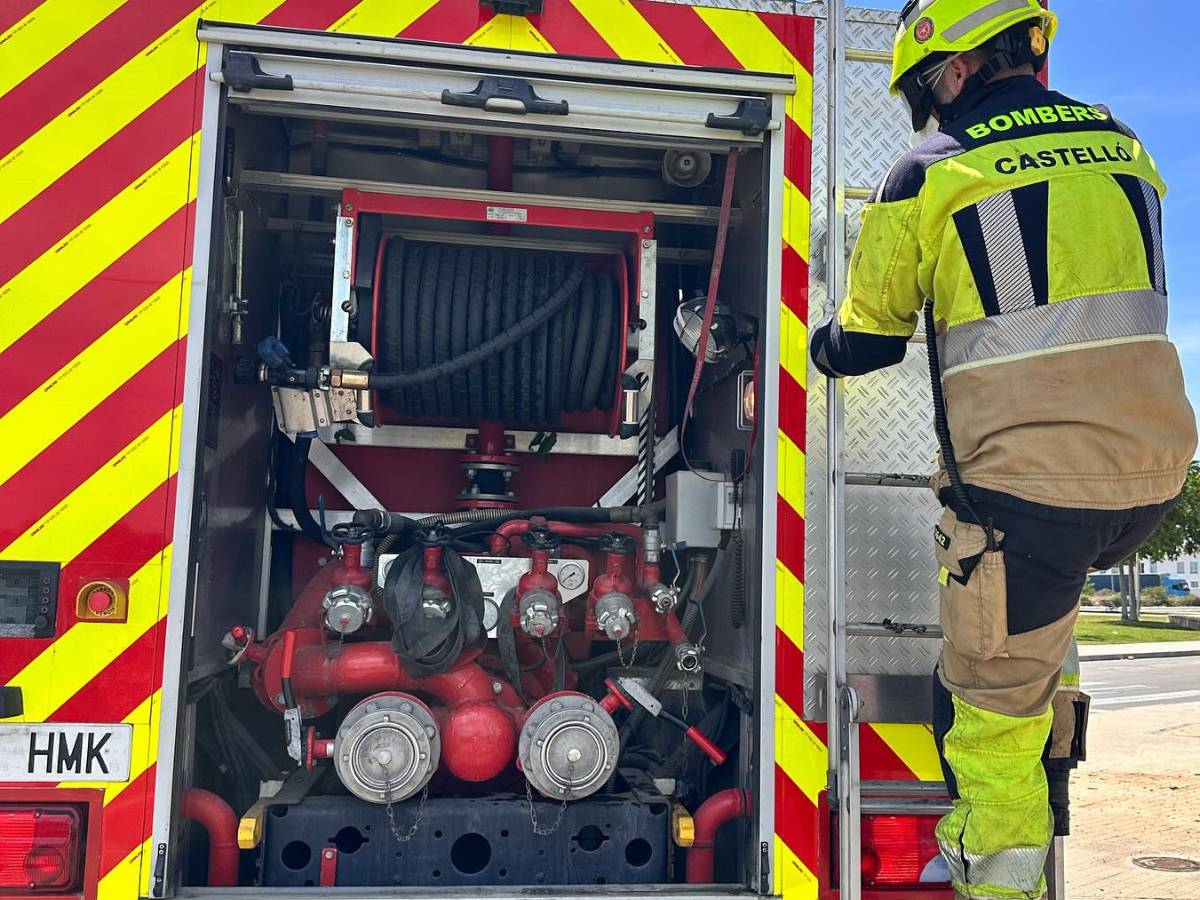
(479, 718)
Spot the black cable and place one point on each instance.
(506, 640)
(941, 425)
(272, 511)
(298, 495)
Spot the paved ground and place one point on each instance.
(1139, 793)
(1154, 648)
(1130, 683)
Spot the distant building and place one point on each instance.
(1187, 567)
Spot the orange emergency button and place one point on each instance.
(103, 601)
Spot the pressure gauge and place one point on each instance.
(571, 575)
(491, 614)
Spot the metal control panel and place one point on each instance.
(28, 599)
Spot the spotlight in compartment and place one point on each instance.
(686, 168)
(726, 331)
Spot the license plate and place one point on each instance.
(52, 752)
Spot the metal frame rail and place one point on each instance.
(842, 701)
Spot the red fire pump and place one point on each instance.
(472, 721)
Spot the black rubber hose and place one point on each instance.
(493, 316)
(508, 334)
(524, 349)
(556, 385)
(460, 395)
(539, 351)
(431, 373)
(426, 319)
(443, 314)
(394, 523)
(737, 595)
(582, 349)
(508, 360)
(596, 354)
(392, 330)
(298, 495)
(476, 314)
(415, 254)
(608, 383)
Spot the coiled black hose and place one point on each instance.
(472, 332)
(737, 591)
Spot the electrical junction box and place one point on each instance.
(700, 505)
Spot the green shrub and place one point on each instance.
(1155, 596)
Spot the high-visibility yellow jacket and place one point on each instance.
(1034, 223)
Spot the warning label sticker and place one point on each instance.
(507, 214)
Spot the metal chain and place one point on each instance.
(538, 829)
(637, 636)
(405, 837)
(389, 808)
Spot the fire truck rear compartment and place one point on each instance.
(413, 586)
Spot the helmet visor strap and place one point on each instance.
(917, 89)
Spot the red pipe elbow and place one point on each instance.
(372, 666)
(479, 740)
(216, 817)
(721, 807)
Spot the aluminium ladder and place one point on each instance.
(849, 796)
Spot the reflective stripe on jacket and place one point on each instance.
(1035, 223)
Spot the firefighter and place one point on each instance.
(1027, 227)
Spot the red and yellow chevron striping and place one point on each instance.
(97, 183)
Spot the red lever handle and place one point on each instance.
(289, 655)
(615, 698)
(711, 750)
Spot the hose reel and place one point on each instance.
(439, 301)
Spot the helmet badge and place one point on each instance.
(923, 30)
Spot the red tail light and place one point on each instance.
(901, 852)
(40, 849)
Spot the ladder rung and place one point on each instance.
(904, 789)
(881, 479)
(907, 805)
(900, 797)
(861, 54)
(892, 629)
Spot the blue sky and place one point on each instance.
(1146, 73)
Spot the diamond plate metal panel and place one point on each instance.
(889, 558)
(786, 7)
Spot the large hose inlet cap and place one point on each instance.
(569, 746)
(387, 748)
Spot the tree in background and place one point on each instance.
(1178, 534)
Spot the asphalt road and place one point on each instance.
(1130, 683)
